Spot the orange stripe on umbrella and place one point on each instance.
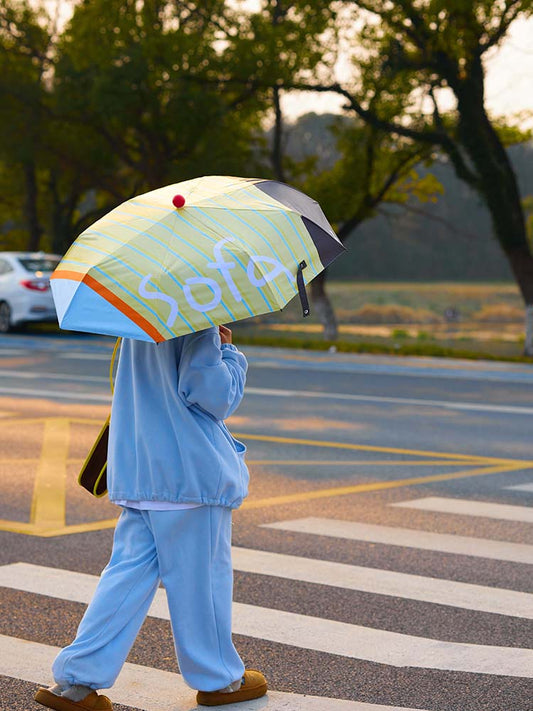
(113, 299)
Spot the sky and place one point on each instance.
(508, 87)
(509, 67)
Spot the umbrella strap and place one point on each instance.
(301, 288)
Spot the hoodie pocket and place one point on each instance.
(240, 447)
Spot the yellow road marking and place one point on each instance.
(373, 448)
(364, 462)
(43, 531)
(39, 420)
(309, 462)
(19, 460)
(324, 462)
(375, 486)
(48, 503)
(22, 421)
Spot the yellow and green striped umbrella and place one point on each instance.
(195, 254)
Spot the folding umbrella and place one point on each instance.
(199, 253)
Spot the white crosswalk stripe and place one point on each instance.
(502, 512)
(330, 636)
(385, 582)
(521, 487)
(150, 689)
(409, 538)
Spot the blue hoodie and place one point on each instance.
(167, 437)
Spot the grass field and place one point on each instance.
(469, 319)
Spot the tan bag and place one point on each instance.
(93, 474)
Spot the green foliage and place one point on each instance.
(114, 105)
(372, 168)
(134, 94)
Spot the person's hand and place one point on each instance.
(225, 334)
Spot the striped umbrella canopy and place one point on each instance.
(199, 253)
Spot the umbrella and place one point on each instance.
(199, 253)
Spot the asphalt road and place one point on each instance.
(382, 559)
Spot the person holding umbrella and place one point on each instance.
(165, 271)
(177, 473)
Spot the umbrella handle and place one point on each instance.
(301, 289)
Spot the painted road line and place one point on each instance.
(409, 538)
(435, 369)
(446, 404)
(78, 377)
(353, 462)
(148, 689)
(61, 394)
(385, 582)
(377, 486)
(475, 458)
(59, 529)
(49, 495)
(313, 633)
(467, 507)
(272, 392)
(521, 487)
(86, 356)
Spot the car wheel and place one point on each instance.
(5, 317)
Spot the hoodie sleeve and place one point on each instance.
(211, 375)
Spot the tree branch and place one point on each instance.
(370, 201)
(435, 218)
(513, 9)
(452, 149)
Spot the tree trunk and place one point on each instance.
(30, 208)
(528, 343)
(521, 262)
(276, 154)
(497, 183)
(324, 309)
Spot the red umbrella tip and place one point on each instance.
(178, 201)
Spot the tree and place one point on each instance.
(24, 59)
(129, 94)
(108, 108)
(373, 169)
(280, 45)
(412, 55)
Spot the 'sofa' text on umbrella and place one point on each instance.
(224, 268)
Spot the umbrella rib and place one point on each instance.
(284, 210)
(231, 234)
(256, 212)
(266, 242)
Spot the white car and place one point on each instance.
(25, 293)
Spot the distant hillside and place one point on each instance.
(453, 242)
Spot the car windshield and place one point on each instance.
(39, 264)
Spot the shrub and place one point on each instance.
(399, 333)
(424, 336)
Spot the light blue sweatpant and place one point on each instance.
(190, 552)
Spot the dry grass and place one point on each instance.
(398, 302)
(386, 313)
(488, 318)
(500, 313)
